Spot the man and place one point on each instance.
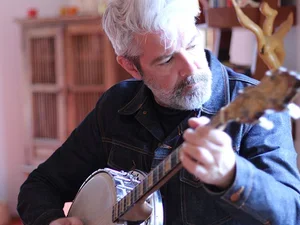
(243, 175)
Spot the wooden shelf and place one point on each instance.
(226, 17)
(59, 20)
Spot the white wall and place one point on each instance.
(11, 80)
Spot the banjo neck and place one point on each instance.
(153, 181)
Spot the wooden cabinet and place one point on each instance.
(68, 64)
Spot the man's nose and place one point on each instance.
(188, 63)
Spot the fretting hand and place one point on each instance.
(67, 221)
(207, 154)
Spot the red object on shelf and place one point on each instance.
(32, 13)
(229, 3)
(68, 11)
(72, 11)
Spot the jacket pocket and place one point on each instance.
(123, 156)
(198, 207)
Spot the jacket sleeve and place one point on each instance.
(266, 189)
(57, 180)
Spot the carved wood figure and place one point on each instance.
(270, 44)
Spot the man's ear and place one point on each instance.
(129, 67)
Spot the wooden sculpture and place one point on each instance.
(270, 44)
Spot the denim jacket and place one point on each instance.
(123, 133)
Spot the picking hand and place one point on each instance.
(207, 154)
(67, 221)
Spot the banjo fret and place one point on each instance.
(148, 183)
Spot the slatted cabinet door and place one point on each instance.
(91, 69)
(45, 111)
(69, 63)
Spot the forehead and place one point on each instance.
(152, 44)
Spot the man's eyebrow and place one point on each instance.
(160, 58)
(192, 40)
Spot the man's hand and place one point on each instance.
(207, 154)
(67, 221)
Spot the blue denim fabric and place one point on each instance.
(122, 132)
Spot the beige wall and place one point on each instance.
(11, 80)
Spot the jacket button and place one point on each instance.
(236, 196)
(144, 112)
(196, 179)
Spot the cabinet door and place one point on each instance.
(45, 106)
(91, 69)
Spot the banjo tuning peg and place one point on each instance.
(293, 110)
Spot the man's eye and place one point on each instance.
(167, 61)
(191, 47)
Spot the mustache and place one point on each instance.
(203, 75)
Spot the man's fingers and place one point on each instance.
(75, 221)
(67, 221)
(198, 154)
(193, 166)
(201, 121)
(202, 135)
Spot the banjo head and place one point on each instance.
(98, 196)
(94, 201)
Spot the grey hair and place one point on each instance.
(123, 19)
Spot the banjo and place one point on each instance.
(134, 196)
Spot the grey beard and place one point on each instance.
(190, 101)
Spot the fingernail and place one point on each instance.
(181, 156)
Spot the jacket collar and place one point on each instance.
(220, 90)
(220, 85)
